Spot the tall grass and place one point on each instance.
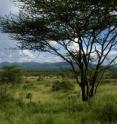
(48, 107)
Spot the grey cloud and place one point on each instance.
(7, 54)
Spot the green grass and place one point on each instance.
(58, 107)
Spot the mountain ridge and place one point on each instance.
(36, 64)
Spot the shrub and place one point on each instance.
(62, 85)
(4, 92)
(29, 96)
(107, 81)
(10, 74)
(39, 78)
(107, 112)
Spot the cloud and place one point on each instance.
(7, 54)
(26, 53)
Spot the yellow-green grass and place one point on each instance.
(56, 107)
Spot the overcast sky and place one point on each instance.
(9, 55)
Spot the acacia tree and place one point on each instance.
(83, 33)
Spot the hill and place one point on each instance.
(36, 65)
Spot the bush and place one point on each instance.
(106, 112)
(10, 74)
(107, 81)
(40, 78)
(62, 85)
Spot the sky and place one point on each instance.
(7, 54)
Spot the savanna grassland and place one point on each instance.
(41, 100)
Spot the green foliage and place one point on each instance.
(108, 113)
(113, 73)
(62, 85)
(10, 74)
(40, 78)
(3, 91)
(107, 81)
(105, 109)
(47, 107)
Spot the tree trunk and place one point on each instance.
(92, 91)
(84, 93)
(87, 92)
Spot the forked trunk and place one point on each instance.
(87, 93)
